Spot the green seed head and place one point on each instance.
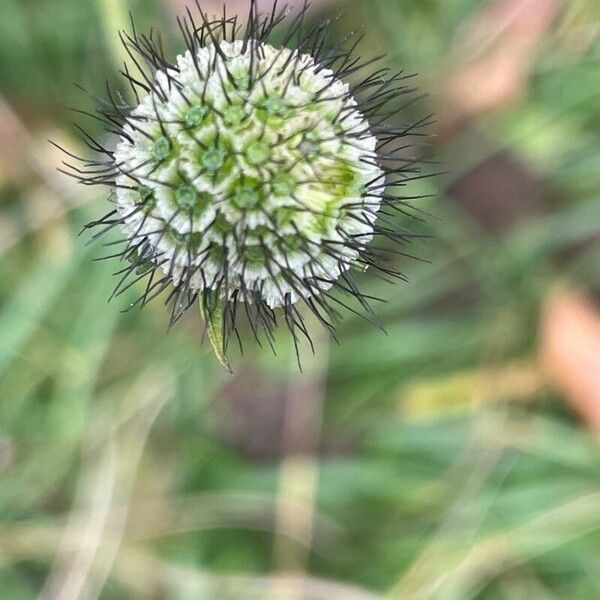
(256, 174)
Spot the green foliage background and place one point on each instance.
(129, 458)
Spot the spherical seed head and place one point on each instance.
(250, 177)
(247, 170)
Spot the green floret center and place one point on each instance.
(213, 158)
(258, 153)
(162, 148)
(273, 111)
(246, 196)
(195, 116)
(187, 196)
(234, 115)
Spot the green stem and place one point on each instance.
(113, 15)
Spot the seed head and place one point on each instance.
(252, 174)
(250, 167)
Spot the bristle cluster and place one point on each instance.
(254, 175)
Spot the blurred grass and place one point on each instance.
(436, 479)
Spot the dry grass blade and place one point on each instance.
(84, 559)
